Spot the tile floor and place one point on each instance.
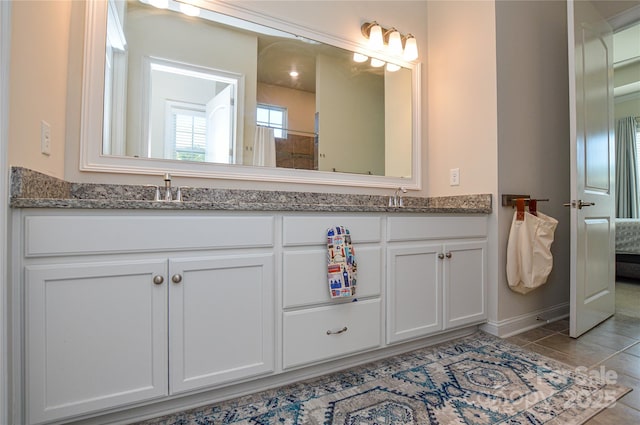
(614, 344)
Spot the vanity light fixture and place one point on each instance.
(410, 48)
(404, 46)
(395, 42)
(374, 34)
(293, 74)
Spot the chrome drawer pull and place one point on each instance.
(330, 332)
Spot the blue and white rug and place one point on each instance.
(476, 380)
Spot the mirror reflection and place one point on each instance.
(214, 89)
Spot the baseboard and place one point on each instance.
(518, 324)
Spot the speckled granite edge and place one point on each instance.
(31, 189)
(26, 183)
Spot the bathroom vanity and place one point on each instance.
(126, 309)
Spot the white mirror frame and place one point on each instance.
(92, 159)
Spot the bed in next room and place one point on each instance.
(628, 248)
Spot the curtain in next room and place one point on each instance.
(626, 169)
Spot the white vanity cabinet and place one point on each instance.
(221, 318)
(125, 308)
(129, 309)
(95, 336)
(315, 327)
(436, 275)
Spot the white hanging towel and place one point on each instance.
(529, 258)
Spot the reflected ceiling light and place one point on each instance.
(189, 10)
(293, 74)
(410, 48)
(377, 63)
(395, 42)
(359, 57)
(160, 4)
(392, 67)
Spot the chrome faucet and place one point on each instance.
(396, 200)
(167, 187)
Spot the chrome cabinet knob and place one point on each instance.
(448, 255)
(158, 279)
(441, 256)
(176, 278)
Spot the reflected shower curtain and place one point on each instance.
(264, 147)
(626, 169)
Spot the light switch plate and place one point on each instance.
(45, 138)
(454, 177)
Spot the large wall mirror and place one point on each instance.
(219, 95)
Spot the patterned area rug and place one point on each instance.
(476, 380)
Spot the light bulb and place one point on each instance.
(377, 63)
(395, 42)
(392, 67)
(375, 37)
(293, 74)
(410, 48)
(359, 57)
(189, 10)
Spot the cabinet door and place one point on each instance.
(414, 292)
(465, 283)
(221, 319)
(95, 336)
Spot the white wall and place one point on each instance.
(627, 106)
(397, 123)
(301, 105)
(461, 128)
(533, 143)
(38, 83)
(344, 98)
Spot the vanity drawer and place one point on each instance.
(305, 275)
(312, 230)
(90, 234)
(305, 332)
(418, 228)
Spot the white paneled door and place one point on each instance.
(221, 319)
(592, 167)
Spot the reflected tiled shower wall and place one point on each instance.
(297, 151)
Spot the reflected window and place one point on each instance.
(187, 133)
(274, 117)
(201, 99)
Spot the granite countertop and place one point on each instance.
(31, 189)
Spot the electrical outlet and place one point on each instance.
(45, 138)
(454, 177)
